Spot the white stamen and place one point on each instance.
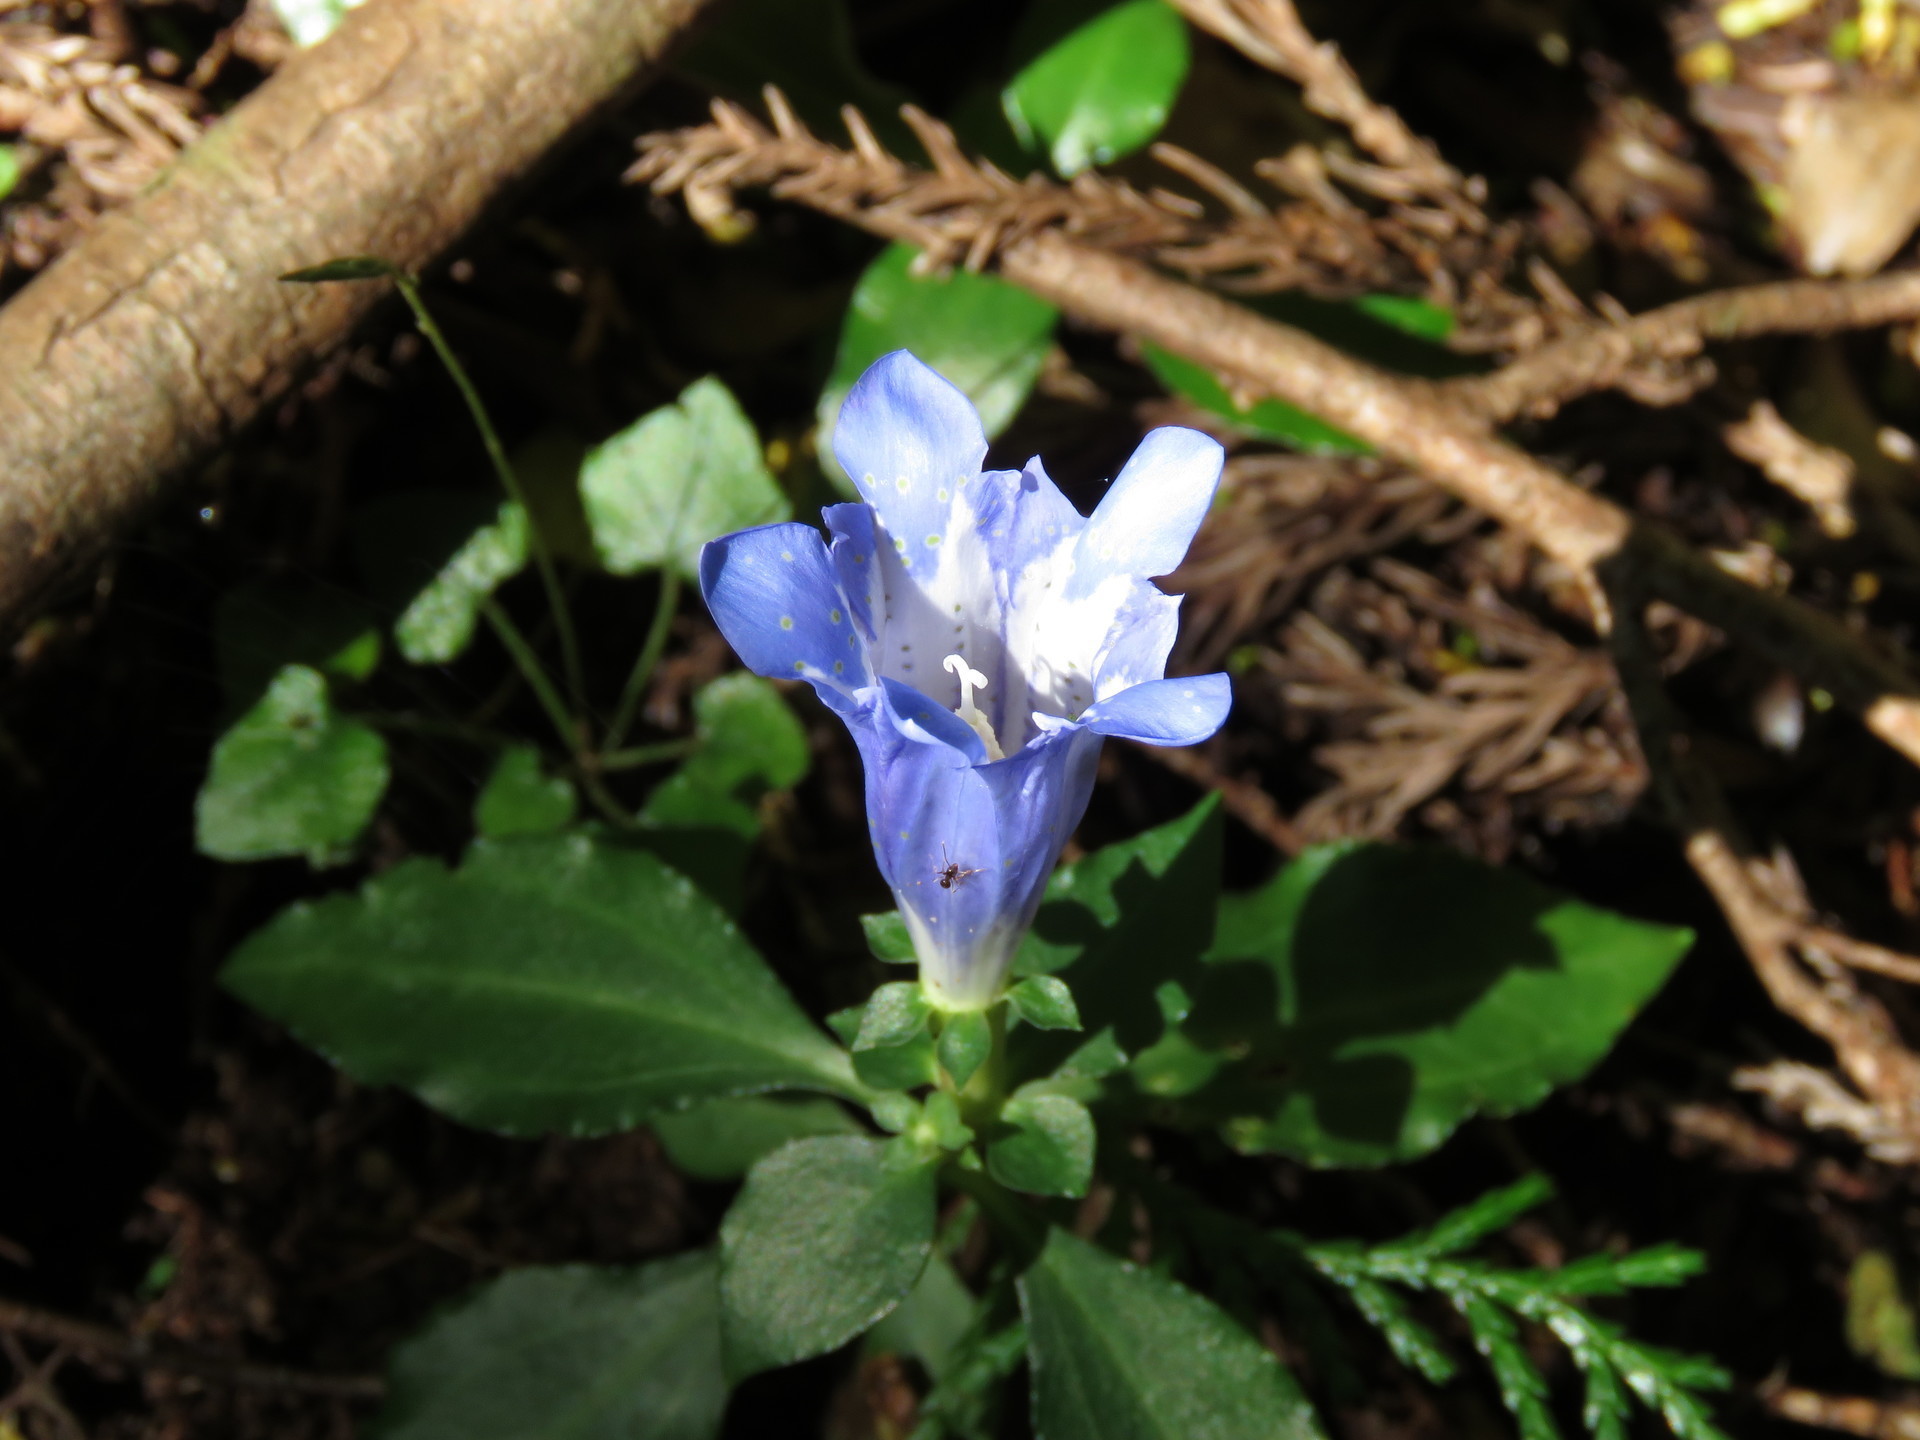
(971, 680)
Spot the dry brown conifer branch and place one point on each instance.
(960, 211)
(1601, 357)
(1270, 33)
(104, 1343)
(1818, 475)
(1765, 908)
(165, 330)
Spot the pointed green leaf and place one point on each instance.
(522, 799)
(549, 984)
(1409, 988)
(1049, 1150)
(888, 938)
(1118, 925)
(1044, 1002)
(827, 1236)
(664, 486)
(721, 1139)
(1105, 89)
(986, 336)
(438, 624)
(326, 13)
(1121, 1353)
(570, 1350)
(966, 1039)
(896, 1013)
(291, 777)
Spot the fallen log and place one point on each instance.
(152, 341)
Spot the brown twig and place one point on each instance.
(1818, 475)
(104, 1343)
(1768, 916)
(1602, 356)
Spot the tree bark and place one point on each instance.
(165, 330)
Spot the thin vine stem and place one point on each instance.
(510, 482)
(665, 605)
(528, 663)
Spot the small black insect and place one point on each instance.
(952, 873)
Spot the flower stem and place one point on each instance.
(510, 482)
(665, 604)
(529, 666)
(638, 755)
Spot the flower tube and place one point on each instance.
(979, 637)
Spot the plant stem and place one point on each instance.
(510, 482)
(529, 666)
(665, 604)
(639, 755)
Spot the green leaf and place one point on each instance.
(888, 938)
(673, 480)
(1049, 1150)
(931, 1322)
(349, 267)
(568, 1350)
(10, 169)
(1416, 317)
(1880, 1325)
(438, 624)
(721, 1139)
(1044, 1002)
(275, 621)
(1121, 1353)
(522, 799)
(1410, 988)
(549, 984)
(966, 1039)
(896, 1014)
(986, 336)
(827, 1236)
(1103, 91)
(1266, 420)
(291, 777)
(1120, 923)
(706, 815)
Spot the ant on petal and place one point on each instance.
(952, 873)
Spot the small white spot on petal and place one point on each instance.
(867, 480)
(835, 616)
(800, 665)
(903, 485)
(786, 622)
(933, 542)
(839, 667)
(787, 555)
(859, 559)
(1184, 694)
(900, 545)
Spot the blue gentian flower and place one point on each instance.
(979, 637)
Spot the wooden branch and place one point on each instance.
(165, 331)
(1598, 357)
(1422, 428)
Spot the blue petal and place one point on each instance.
(922, 720)
(910, 440)
(1148, 518)
(1040, 796)
(773, 594)
(856, 561)
(1183, 711)
(1142, 635)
